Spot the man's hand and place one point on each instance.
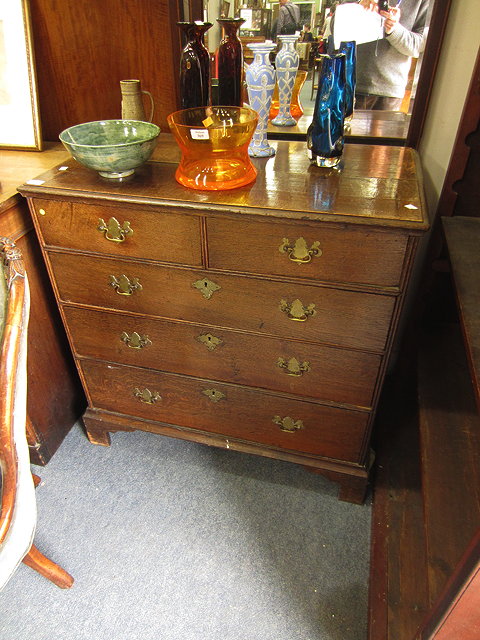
(391, 19)
(392, 16)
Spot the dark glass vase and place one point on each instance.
(194, 66)
(230, 63)
(350, 51)
(325, 137)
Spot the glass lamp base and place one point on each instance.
(320, 161)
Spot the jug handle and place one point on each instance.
(152, 104)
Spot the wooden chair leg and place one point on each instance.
(53, 572)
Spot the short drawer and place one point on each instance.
(229, 410)
(120, 231)
(327, 373)
(290, 310)
(321, 252)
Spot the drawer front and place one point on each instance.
(363, 256)
(228, 410)
(120, 231)
(290, 310)
(327, 373)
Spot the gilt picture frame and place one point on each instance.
(19, 112)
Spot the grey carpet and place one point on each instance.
(173, 540)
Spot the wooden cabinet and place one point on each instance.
(260, 320)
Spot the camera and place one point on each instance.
(383, 5)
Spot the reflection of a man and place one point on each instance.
(383, 66)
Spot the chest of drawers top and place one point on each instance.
(378, 185)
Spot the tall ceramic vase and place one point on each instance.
(260, 78)
(230, 63)
(325, 135)
(286, 64)
(350, 51)
(194, 66)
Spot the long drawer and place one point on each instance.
(230, 410)
(291, 310)
(320, 252)
(327, 373)
(120, 231)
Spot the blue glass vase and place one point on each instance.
(325, 136)
(350, 51)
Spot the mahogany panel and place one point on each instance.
(360, 255)
(83, 49)
(241, 413)
(334, 375)
(154, 235)
(343, 318)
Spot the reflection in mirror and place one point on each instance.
(367, 125)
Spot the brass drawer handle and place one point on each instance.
(287, 424)
(211, 342)
(146, 396)
(293, 367)
(296, 310)
(135, 340)
(206, 287)
(123, 286)
(298, 251)
(213, 394)
(113, 230)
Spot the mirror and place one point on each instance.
(390, 127)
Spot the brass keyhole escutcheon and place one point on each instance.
(206, 287)
(213, 394)
(296, 310)
(113, 230)
(135, 340)
(293, 367)
(299, 251)
(124, 286)
(146, 396)
(288, 424)
(210, 341)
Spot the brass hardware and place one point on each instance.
(123, 286)
(135, 340)
(42, 212)
(213, 394)
(206, 287)
(146, 396)
(296, 311)
(287, 424)
(299, 251)
(211, 342)
(293, 367)
(113, 230)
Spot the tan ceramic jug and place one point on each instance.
(132, 101)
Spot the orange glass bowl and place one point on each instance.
(214, 144)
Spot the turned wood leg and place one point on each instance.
(97, 436)
(53, 572)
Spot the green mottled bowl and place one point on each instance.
(114, 148)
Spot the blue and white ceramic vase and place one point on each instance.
(350, 51)
(325, 135)
(286, 65)
(260, 79)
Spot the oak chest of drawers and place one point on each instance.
(259, 319)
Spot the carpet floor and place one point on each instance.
(172, 540)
